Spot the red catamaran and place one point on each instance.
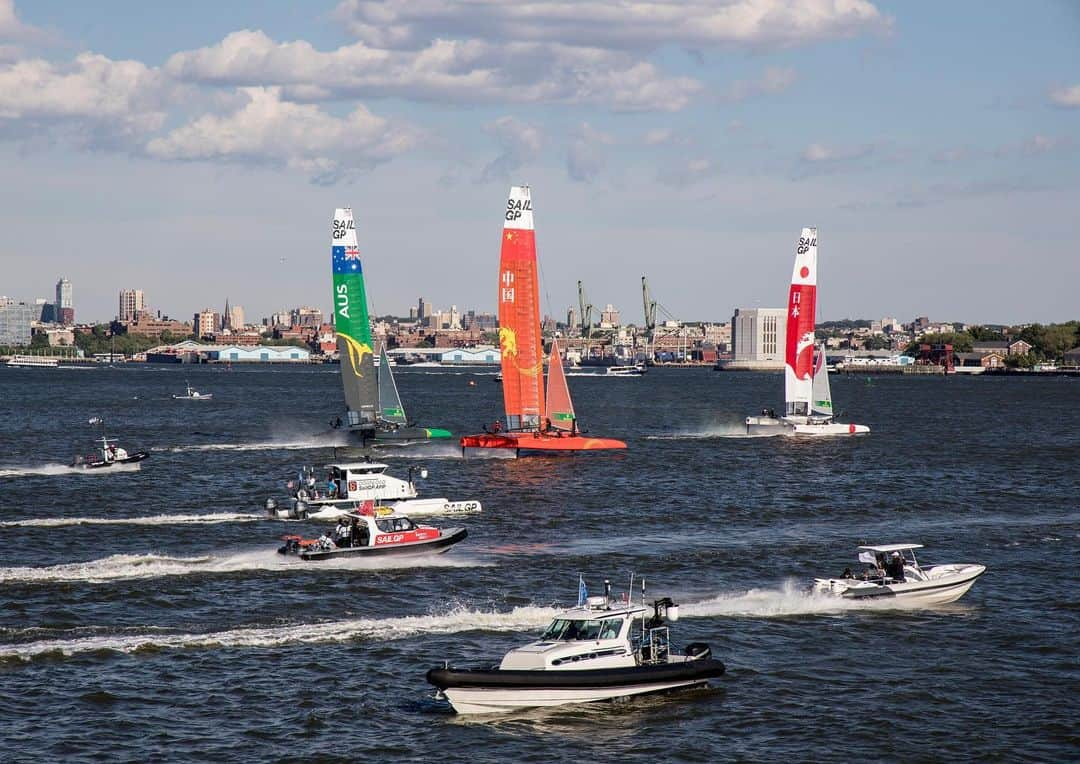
(529, 426)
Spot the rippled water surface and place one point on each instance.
(147, 615)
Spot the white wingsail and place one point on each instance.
(821, 401)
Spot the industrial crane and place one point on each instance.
(650, 315)
(586, 317)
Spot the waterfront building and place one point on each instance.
(476, 356)
(132, 302)
(757, 336)
(205, 323)
(609, 317)
(306, 316)
(64, 307)
(15, 321)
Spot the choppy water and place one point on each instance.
(147, 616)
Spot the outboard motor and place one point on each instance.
(698, 651)
(298, 510)
(271, 506)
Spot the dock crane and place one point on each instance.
(650, 315)
(586, 317)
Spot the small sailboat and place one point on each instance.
(366, 400)
(529, 425)
(808, 406)
(192, 394)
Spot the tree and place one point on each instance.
(984, 334)
(961, 342)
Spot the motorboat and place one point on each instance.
(193, 395)
(894, 572)
(602, 649)
(636, 370)
(108, 455)
(371, 532)
(349, 486)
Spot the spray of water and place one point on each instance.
(63, 469)
(206, 519)
(527, 618)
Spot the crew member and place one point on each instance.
(895, 567)
(342, 534)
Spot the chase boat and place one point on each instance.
(108, 455)
(600, 650)
(350, 485)
(371, 532)
(193, 395)
(895, 572)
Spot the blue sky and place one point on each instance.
(197, 151)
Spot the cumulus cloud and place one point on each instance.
(585, 156)
(520, 143)
(817, 153)
(773, 80)
(626, 25)
(93, 100)
(1069, 96)
(11, 28)
(687, 172)
(268, 131)
(470, 70)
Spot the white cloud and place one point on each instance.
(520, 144)
(1068, 96)
(443, 70)
(268, 131)
(10, 26)
(774, 80)
(626, 25)
(819, 153)
(94, 99)
(585, 156)
(687, 172)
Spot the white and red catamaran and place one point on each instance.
(808, 406)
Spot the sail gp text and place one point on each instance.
(805, 244)
(341, 227)
(514, 209)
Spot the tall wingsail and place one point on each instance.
(799, 355)
(519, 315)
(351, 323)
(560, 409)
(390, 408)
(821, 403)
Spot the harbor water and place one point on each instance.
(146, 616)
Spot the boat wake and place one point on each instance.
(210, 518)
(708, 433)
(526, 618)
(789, 600)
(64, 469)
(128, 567)
(328, 441)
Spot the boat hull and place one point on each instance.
(945, 584)
(332, 511)
(439, 545)
(133, 459)
(499, 691)
(765, 425)
(531, 441)
(400, 435)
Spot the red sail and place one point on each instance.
(799, 351)
(560, 409)
(519, 316)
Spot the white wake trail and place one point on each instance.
(127, 567)
(64, 469)
(527, 618)
(205, 519)
(788, 600)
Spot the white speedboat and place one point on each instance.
(600, 650)
(108, 455)
(193, 395)
(350, 486)
(636, 370)
(369, 532)
(808, 407)
(893, 572)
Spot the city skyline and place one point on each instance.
(940, 170)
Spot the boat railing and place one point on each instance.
(656, 645)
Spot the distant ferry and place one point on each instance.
(33, 360)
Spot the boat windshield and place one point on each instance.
(394, 524)
(567, 630)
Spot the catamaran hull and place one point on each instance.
(399, 436)
(439, 545)
(942, 587)
(761, 425)
(541, 442)
(500, 691)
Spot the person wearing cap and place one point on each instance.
(895, 567)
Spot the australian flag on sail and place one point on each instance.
(346, 259)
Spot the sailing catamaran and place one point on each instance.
(530, 426)
(808, 406)
(373, 410)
